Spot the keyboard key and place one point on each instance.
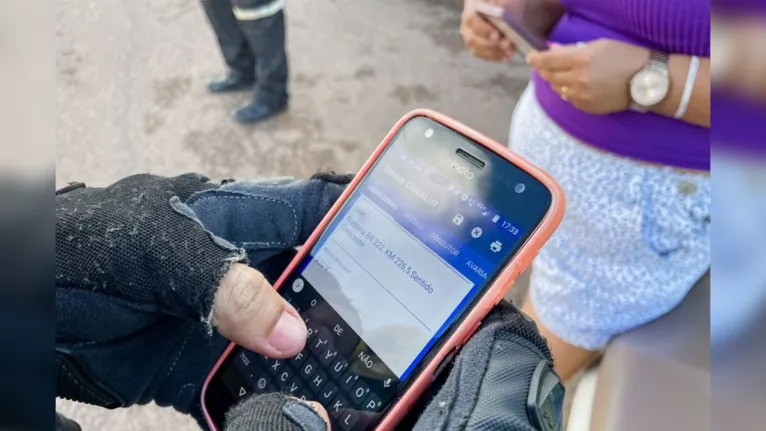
(385, 388)
(244, 358)
(319, 343)
(360, 392)
(294, 387)
(347, 419)
(368, 361)
(275, 365)
(328, 393)
(313, 329)
(285, 376)
(348, 380)
(312, 321)
(328, 356)
(341, 329)
(308, 370)
(262, 383)
(338, 368)
(242, 392)
(337, 406)
(316, 382)
(297, 361)
(344, 339)
(306, 300)
(305, 395)
(372, 404)
(311, 332)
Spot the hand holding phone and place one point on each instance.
(481, 38)
(497, 29)
(400, 273)
(511, 20)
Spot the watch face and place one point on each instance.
(649, 87)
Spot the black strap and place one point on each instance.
(69, 188)
(73, 384)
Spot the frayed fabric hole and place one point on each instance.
(208, 321)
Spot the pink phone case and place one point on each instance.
(494, 293)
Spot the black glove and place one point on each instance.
(489, 385)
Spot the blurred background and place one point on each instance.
(132, 91)
(738, 294)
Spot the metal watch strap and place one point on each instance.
(658, 61)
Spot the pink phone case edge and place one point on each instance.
(494, 293)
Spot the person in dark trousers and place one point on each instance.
(251, 35)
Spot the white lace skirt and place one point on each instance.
(634, 240)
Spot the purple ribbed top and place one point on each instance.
(673, 26)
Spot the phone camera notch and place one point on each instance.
(470, 158)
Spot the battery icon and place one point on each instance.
(495, 218)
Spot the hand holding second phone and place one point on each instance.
(481, 38)
(594, 76)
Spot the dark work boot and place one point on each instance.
(231, 82)
(256, 111)
(266, 38)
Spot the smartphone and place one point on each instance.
(426, 239)
(511, 24)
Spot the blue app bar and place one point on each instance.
(440, 237)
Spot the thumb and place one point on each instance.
(249, 312)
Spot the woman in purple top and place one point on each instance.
(618, 110)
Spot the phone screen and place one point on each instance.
(393, 274)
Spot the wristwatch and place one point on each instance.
(651, 84)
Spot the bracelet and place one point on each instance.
(691, 77)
